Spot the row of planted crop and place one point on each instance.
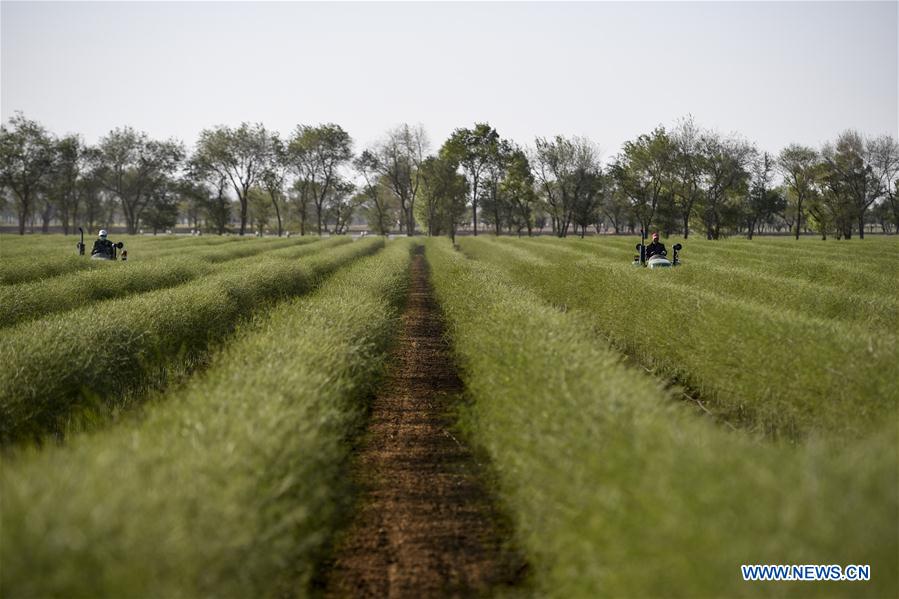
(16, 245)
(836, 251)
(28, 301)
(875, 308)
(771, 369)
(93, 356)
(228, 486)
(20, 265)
(847, 271)
(615, 488)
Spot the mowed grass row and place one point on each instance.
(229, 487)
(616, 489)
(94, 355)
(877, 310)
(40, 263)
(769, 369)
(28, 301)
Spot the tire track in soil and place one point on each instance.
(425, 525)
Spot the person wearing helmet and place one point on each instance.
(102, 246)
(655, 248)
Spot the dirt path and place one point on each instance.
(424, 526)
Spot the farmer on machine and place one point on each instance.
(102, 246)
(655, 248)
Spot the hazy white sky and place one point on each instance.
(774, 71)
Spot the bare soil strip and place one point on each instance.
(425, 525)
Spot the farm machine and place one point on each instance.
(656, 260)
(103, 249)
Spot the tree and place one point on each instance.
(565, 170)
(397, 159)
(884, 152)
(260, 209)
(518, 187)
(316, 154)
(473, 149)
(133, 168)
(91, 198)
(883, 214)
(444, 196)
(585, 211)
(300, 196)
(238, 155)
(799, 166)
(615, 205)
(762, 201)
(274, 174)
(218, 207)
(64, 179)
(341, 204)
(850, 175)
(494, 204)
(375, 193)
(214, 203)
(162, 209)
(725, 178)
(643, 172)
(687, 170)
(26, 159)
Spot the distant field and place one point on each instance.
(180, 424)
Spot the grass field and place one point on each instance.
(183, 424)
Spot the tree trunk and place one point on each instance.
(277, 214)
(23, 217)
(243, 214)
(410, 226)
(861, 225)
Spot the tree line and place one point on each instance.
(684, 179)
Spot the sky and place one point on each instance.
(775, 72)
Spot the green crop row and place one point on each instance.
(616, 489)
(93, 355)
(878, 311)
(231, 251)
(23, 267)
(13, 245)
(229, 487)
(28, 301)
(773, 370)
(842, 270)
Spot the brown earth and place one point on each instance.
(425, 525)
